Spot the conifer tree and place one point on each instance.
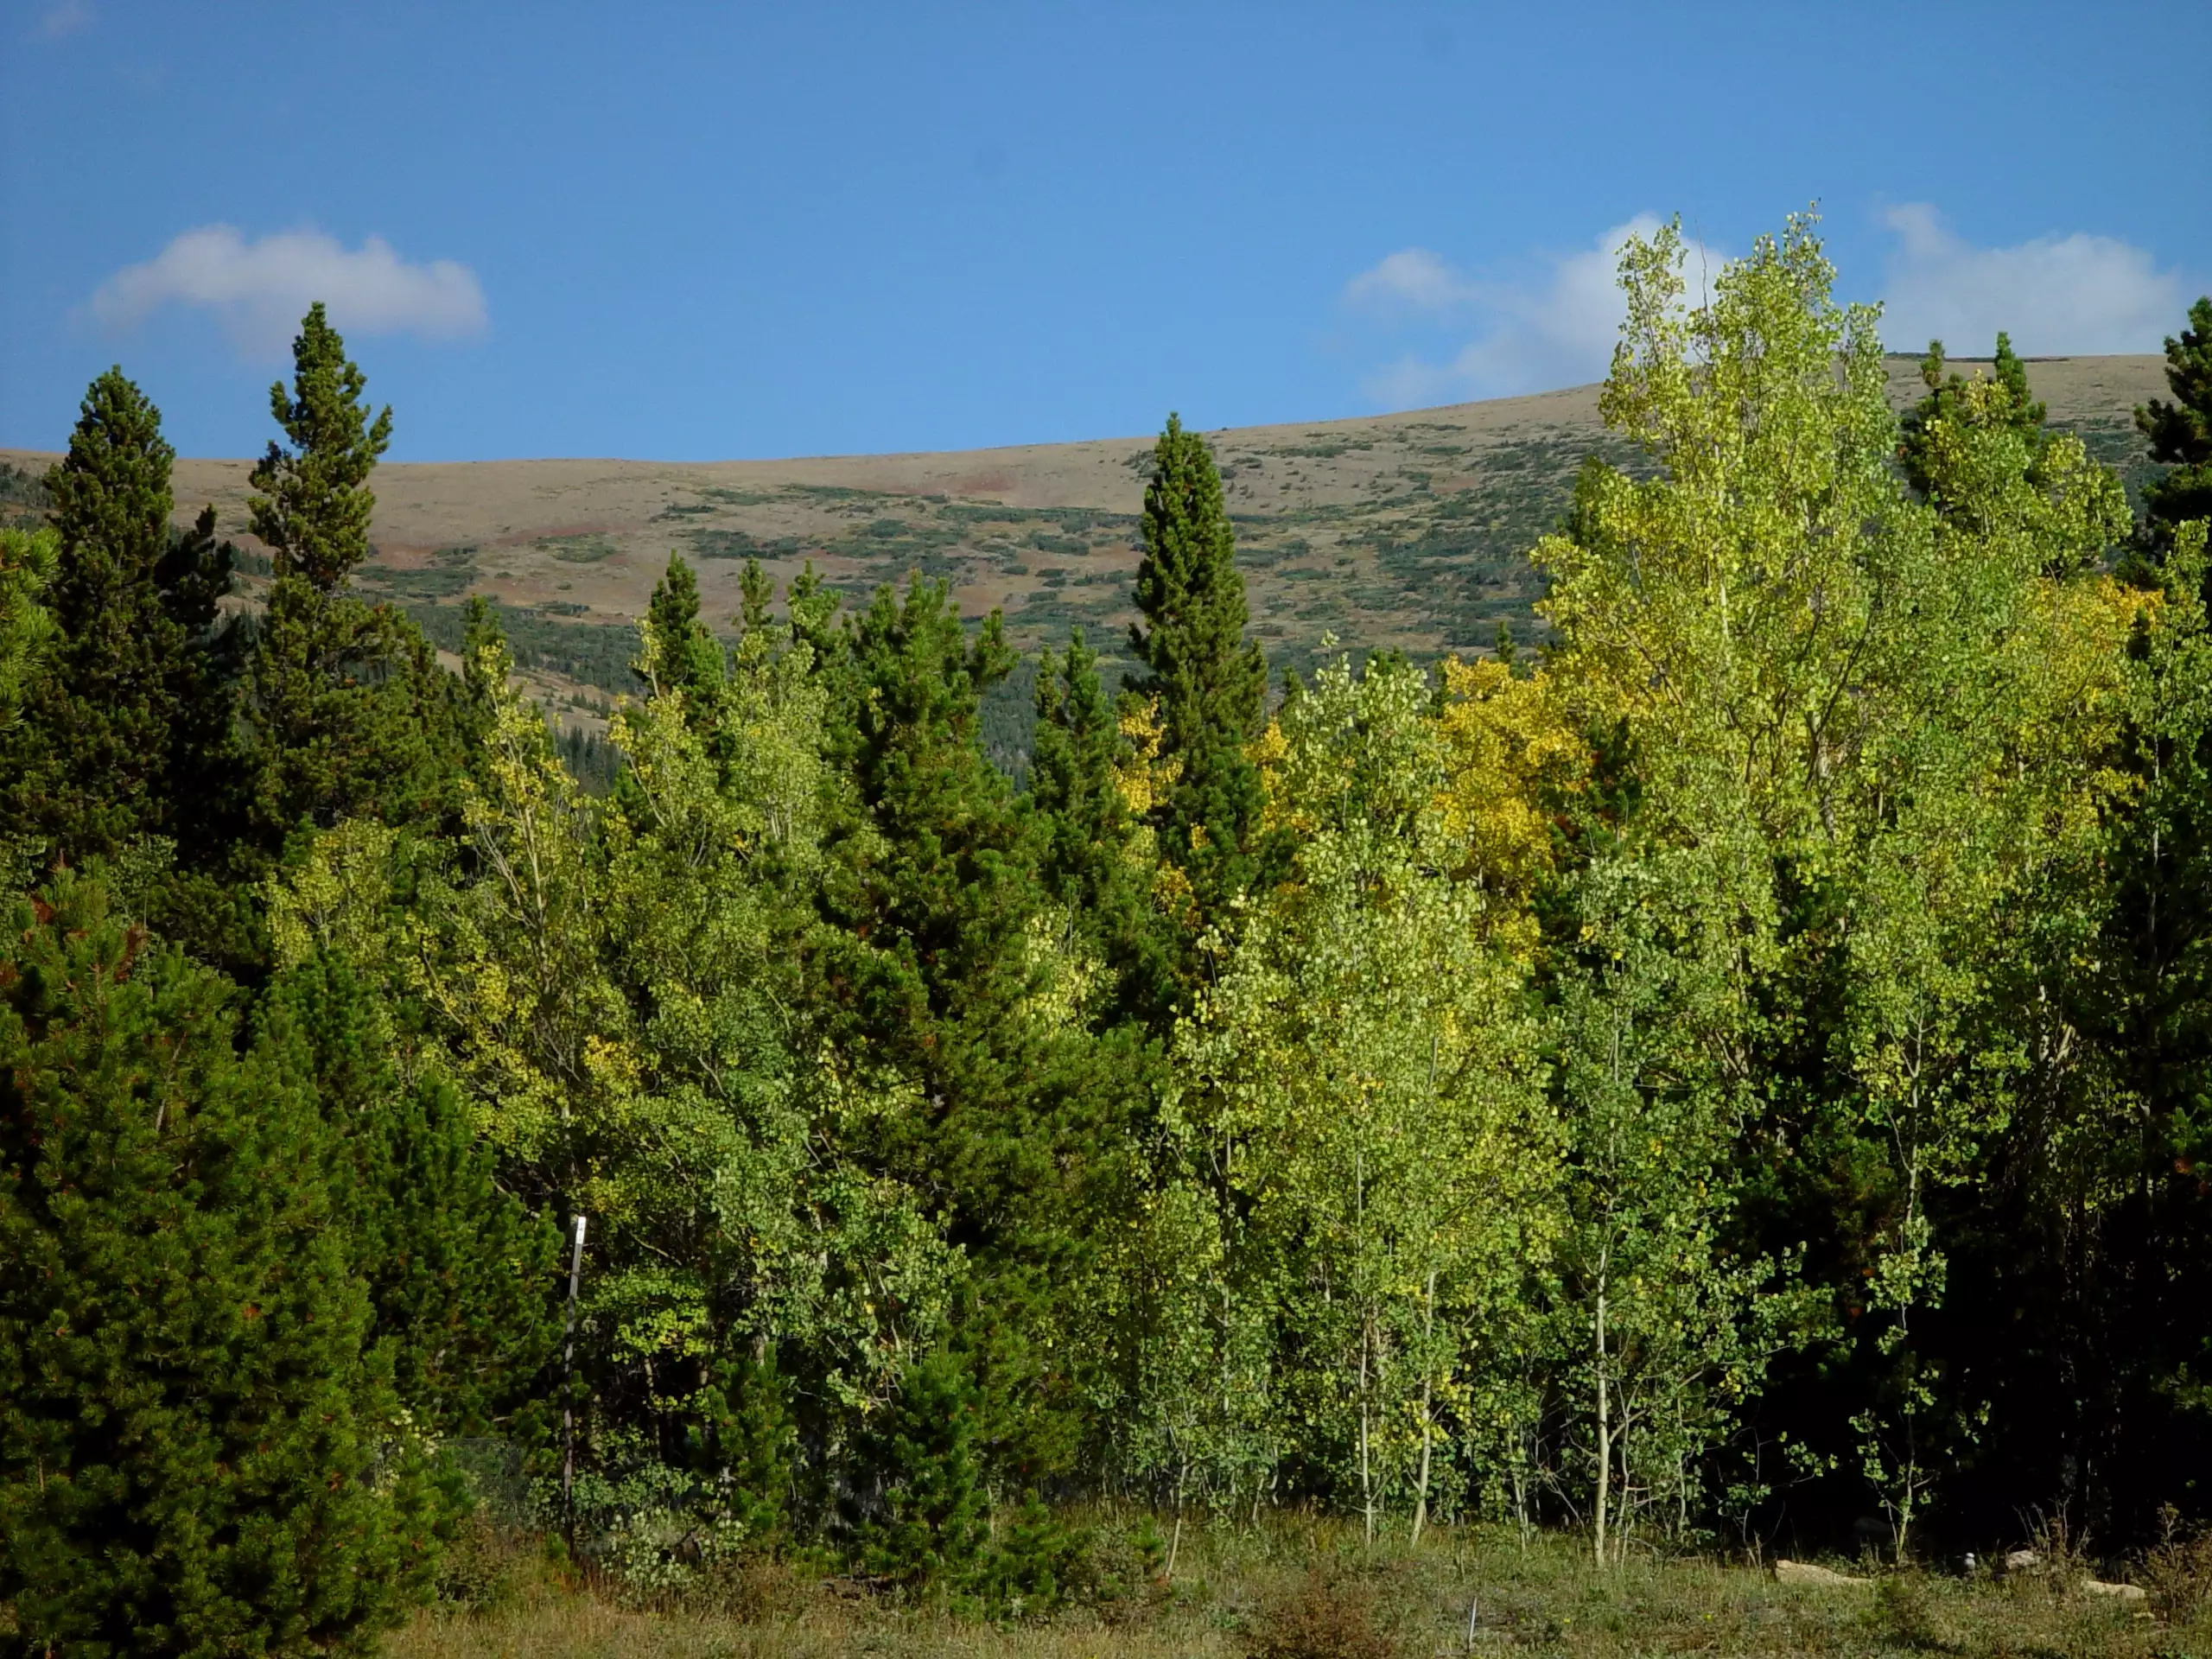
(461, 1278)
(347, 712)
(1947, 399)
(1210, 680)
(312, 504)
(691, 659)
(127, 731)
(1097, 860)
(187, 1429)
(2180, 432)
(945, 971)
(928, 1534)
(749, 1435)
(26, 568)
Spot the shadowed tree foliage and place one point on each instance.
(2180, 432)
(127, 731)
(188, 1424)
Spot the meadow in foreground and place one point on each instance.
(1302, 1587)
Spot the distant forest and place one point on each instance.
(1733, 1074)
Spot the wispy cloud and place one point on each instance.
(1556, 330)
(69, 17)
(1412, 279)
(2055, 295)
(261, 288)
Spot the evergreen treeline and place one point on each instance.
(1741, 1074)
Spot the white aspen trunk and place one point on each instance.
(1366, 1348)
(568, 1389)
(1604, 1427)
(1428, 1405)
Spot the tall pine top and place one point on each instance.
(1192, 598)
(313, 506)
(112, 495)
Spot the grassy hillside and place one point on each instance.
(1404, 530)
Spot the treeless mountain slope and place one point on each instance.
(1406, 531)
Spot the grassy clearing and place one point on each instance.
(1295, 1589)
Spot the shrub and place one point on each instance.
(1325, 1615)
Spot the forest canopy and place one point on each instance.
(1737, 1072)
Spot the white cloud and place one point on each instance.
(1557, 331)
(70, 17)
(2055, 295)
(261, 289)
(1413, 278)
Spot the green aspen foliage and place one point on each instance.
(1739, 1068)
(1364, 1094)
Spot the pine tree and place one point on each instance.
(188, 1432)
(927, 1534)
(1210, 680)
(26, 627)
(691, 659)
(312, 504)
(461, 1278)
(1947, 400)
(749, 1443)
(939, 961)
(127, 731)
(347, 712)
(2180, 432)
(1095, 861)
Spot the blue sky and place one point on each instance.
(699, 232)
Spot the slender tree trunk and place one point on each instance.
(1366, 1351)
(1605, 1424)
(1428, 1405)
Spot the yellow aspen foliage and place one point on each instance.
(1511, 747)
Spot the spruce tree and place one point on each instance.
(187, 1428)
(2180, 432)
(347, 711)
(127, 730)
(1210, 680)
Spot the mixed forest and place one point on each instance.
(1737, 1077)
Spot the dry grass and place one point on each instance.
(1302, 1589)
